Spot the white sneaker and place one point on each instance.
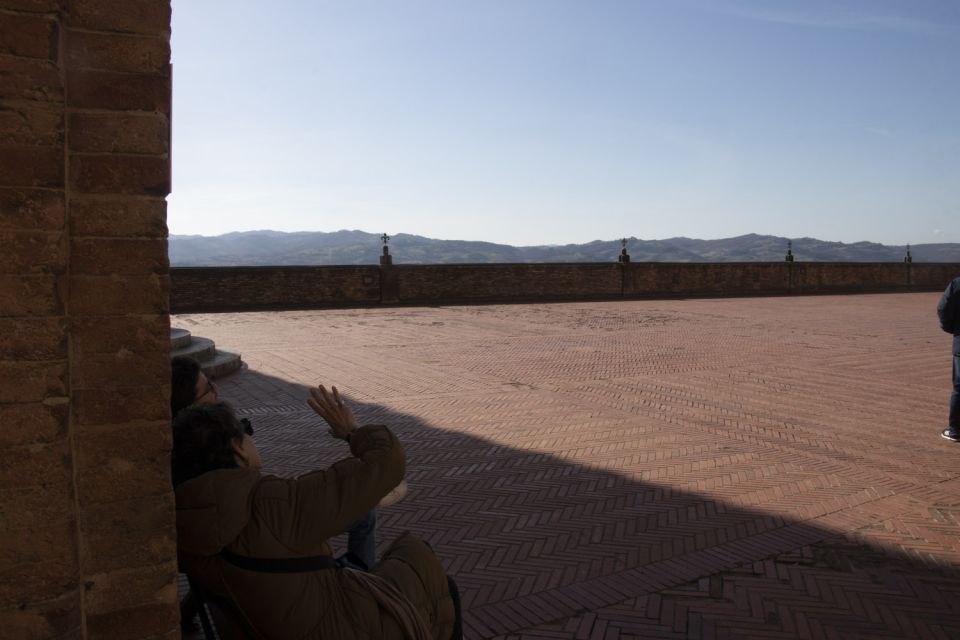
(395, 496)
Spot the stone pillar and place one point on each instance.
(87, 546)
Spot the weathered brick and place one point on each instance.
(132, 16)
(29, 36)
(105, 256)
(26, 507)
(116, 216)
(32, 381)
(131, 175)
(120, 333)
(27, 295)
(30, 80)
(40, 209)
(35, 6)
(117, 52)
(116, 295)
(44, 580)
(31, 166)
(92, 89)
(56, 618)
(108, 371)
(128, 533)
(119, 133)
(128, 588)
(46, 540)
(123, 462)
(26, 123)
(43, 338)
(135, 465)
(94, 407)
(34, 422)
(128, 624)
(33, 252)
(35, 464)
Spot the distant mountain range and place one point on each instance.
(261, 248)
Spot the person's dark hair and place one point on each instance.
(202, 436)
(184, 373)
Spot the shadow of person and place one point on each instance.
(549, 546)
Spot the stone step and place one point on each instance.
(214, 363)
(179, 338)
(199, 349)
(221, 364)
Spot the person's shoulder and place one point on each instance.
(271, 487)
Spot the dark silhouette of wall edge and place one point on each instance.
(87, 545)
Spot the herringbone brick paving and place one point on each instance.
(765, 467)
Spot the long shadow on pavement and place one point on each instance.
(543, 547)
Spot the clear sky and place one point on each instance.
(559, 121)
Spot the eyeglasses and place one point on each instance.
(247, 427)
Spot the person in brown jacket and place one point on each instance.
(260, 541)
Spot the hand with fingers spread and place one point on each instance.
(332, 409)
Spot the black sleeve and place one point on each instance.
(949, 308)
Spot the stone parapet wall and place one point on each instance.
(87, 546)
(480, 282)
(248, 288)
(237, 288)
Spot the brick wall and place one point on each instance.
(248, 288)
(86, 511)
(480, 282)
(227, 288)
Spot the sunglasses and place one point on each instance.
(247, 427)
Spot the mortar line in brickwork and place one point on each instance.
(115, 197)
(164, 36)
(108, 112)
(66, 309)
(88, 154)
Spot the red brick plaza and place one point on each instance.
(766, 467)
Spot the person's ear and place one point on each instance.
(239, 454)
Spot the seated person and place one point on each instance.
(261, 541)
(190, 386)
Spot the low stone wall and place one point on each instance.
(672, 279)
(200, 289)
(482, 282)
(246, 288)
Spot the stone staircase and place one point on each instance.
(215, 364)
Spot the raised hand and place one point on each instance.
(332, 409)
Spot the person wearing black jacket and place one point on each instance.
(949, 313)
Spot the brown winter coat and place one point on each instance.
(269, 517)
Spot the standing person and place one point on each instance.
(949, 313)
(261, 541)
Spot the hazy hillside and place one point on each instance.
(358, 247)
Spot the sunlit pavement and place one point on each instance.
(764, 467)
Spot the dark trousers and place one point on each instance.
(362, 539)
(955, 398)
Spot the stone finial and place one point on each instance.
(789, 256)
(386, 258)
(908, 258)
(624, 256)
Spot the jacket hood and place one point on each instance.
(213, 509)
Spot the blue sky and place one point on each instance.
(557, 121)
